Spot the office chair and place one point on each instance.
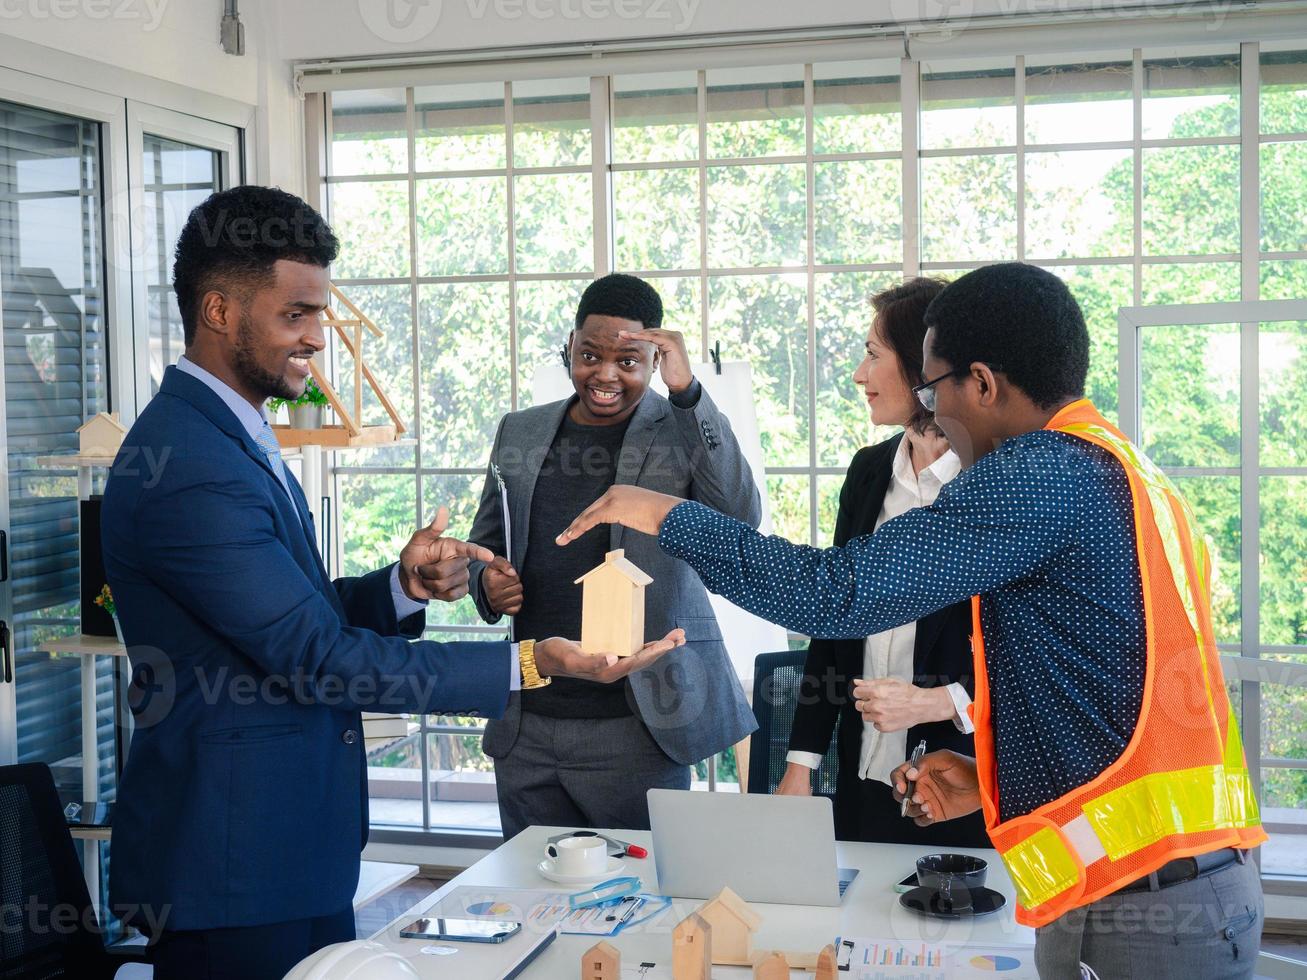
(776, 680)
(50, 929)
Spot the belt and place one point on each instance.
(1185, 869)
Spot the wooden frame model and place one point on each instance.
(351, 431)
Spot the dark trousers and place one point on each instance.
(865, 810)
(264, 952)
(582, 772)
(1208, 927)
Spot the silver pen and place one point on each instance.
(915, 761)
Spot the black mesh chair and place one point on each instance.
(776, 681)
(49, 929)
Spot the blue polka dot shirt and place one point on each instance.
(1043, 531)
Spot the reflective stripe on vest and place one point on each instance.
(1064, 854)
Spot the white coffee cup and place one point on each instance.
(579, 855)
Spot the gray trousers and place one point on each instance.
(582, 772)
(1206, 929)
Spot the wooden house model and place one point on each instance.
(101, 435)
(733, 924)
(601, 962)
(827, 967)
(692, 949)
(612, 607)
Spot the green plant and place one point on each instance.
(312, 396)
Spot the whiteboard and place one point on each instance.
(745, 634)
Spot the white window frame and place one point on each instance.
(1240, 661)
(1010, 44)
(223, 139)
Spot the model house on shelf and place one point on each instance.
(612, 607)
(601, 962)
(351, 432)
(101, 435)
(692, 949)
(733, 925)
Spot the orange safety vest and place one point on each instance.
(1181, 787)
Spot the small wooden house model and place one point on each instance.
(612, 607)
(601, 962)
(826, 965)
(101, 435)
(771, 966)
(733, 924)
(692, 949)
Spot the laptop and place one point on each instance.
(771, 849)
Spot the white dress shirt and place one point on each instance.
(890, 654)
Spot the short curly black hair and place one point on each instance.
(624, 296)
(232, 238)
(1017, 318)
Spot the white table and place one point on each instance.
(378, 877)
(870, 909)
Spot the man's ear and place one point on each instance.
(986, 383)
(218, 312)
(567, 350)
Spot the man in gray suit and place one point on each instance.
(577, 754)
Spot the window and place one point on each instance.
(474, 222)
(1200, 378)
(767, 204)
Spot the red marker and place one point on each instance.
(636, 851)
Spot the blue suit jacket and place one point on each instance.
(244, 797)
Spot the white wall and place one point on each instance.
(312, 29)
(174, 40)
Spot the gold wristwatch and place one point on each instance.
(526, 656)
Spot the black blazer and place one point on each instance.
(865, 810)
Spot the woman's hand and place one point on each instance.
(797, 781)
(633, 507)
(892, 705)
(946, 787)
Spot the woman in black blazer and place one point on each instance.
(883, 481)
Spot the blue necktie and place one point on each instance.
(272, 450)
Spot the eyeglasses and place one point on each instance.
(926, 392)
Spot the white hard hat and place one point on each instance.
(357, 960)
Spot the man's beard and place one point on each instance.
(251, 373)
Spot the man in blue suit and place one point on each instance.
(243, 804)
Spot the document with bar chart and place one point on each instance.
(893, 959)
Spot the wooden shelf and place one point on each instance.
(72, 461)
(334, 436)
(83, 644)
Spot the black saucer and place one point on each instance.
(925, 901)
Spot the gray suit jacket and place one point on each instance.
(691, 699)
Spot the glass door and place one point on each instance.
(175, 161)
(56, 375)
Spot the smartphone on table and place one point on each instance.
(461, 930)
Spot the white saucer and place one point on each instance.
(546, 868)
